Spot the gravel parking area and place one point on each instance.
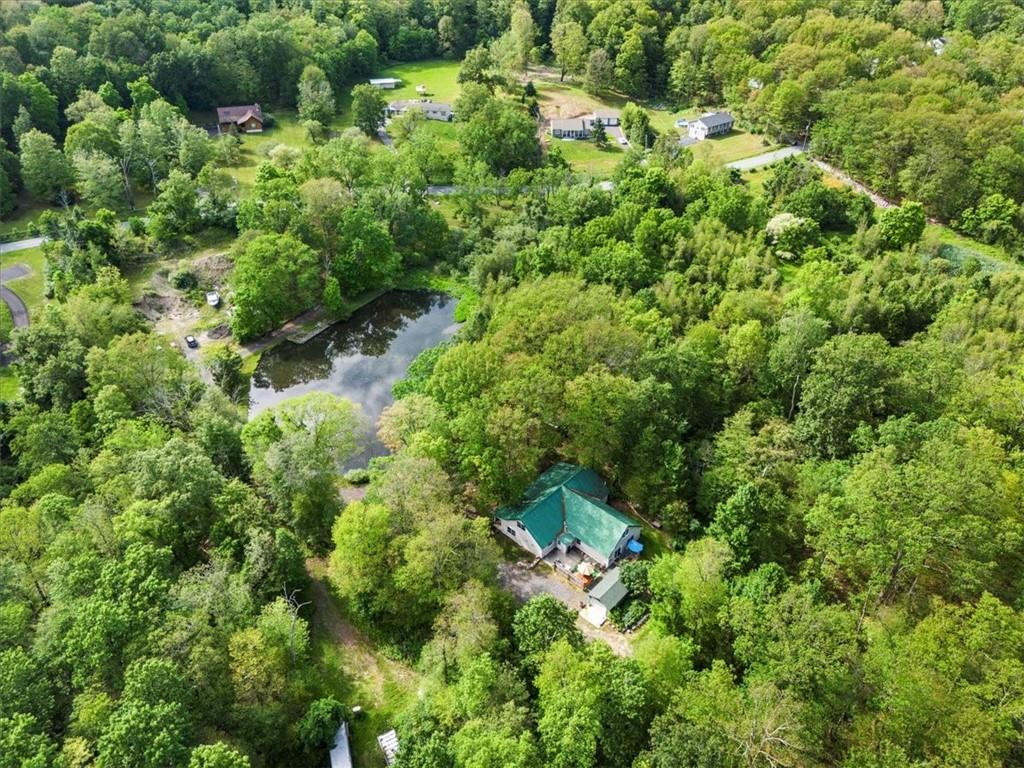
(524, 583)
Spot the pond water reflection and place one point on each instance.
(359, 359)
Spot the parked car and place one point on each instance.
(681, 123)
(213, 298)
(623, 141)
(191, 342)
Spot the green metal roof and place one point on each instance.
(543, 518)
(571, 500)
(593, 522)
(570, 476)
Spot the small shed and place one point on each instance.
(341, 754)
(606, 594)
(389, 746)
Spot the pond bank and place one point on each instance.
(359, 359)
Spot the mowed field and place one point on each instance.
(564, 100)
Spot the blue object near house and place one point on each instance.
(567, 507)
(635, 546)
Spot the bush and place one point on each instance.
(628, 613)
(357, 476)
(184, 279)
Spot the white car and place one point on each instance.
(623, 141)
(213, 298)
(682, 123)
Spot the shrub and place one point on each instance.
(184, 279)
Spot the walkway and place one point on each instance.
(19, 312)
(766, 158)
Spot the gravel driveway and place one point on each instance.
(524, 583)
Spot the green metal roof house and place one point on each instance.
(567, 507)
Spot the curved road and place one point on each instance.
(21, 245)
(19, 312)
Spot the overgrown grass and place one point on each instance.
(425, 279)
(26, 214)
(957, 248)
(355, 672)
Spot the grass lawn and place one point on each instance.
(570, 100)
(757, 178)
(30, 287)
(287, 130)
(447, 135)
(734, 146)
(9, 384)
(438, 75)
(26, 213)
(585, 157)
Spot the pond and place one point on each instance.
(359, 359)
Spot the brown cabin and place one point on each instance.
(247, 118)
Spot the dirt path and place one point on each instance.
(849, 181)
(366, 668)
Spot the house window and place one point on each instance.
(520, 526)
(510, 530)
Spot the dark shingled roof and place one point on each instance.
(239, 114)
(715, 119)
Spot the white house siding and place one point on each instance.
(520, 536)
(633, 532)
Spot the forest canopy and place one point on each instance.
(812, 404)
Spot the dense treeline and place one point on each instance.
(920, 100)
(820, 403)
(814, 402)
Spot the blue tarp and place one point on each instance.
(635, 546)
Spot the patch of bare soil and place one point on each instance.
(563, 104)
(211, 268)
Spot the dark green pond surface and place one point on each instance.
(359, 359)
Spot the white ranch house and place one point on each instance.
(434, 110)
(582, 127)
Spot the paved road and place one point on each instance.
(766, 158)
(19, 312)
(22, 245)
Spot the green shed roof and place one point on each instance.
(567, 499)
